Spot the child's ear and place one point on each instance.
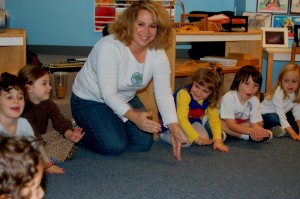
(28, 87)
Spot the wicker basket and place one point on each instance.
(212, 26)
(181, 24)
(223, 61)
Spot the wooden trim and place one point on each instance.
(295, 50)
(203, 16)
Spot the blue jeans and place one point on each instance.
(272, 119)
(105, 132)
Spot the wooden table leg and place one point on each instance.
(269, 72)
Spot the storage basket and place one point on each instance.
(223, 61)
(212, 26)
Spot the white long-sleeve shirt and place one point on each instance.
(112, 75)
(281, 106)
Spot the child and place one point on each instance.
(240, 112)
(21, 168)
(11, 107)
(199, 98)
(39, 108)
(281, 109)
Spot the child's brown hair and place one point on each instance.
(29, 74)
(209, 77)
(19, 159)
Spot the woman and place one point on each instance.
(104, 101)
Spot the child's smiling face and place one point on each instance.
(199, 92)
(40, 90)
(290, 81)
(12, 103)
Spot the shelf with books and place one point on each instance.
(105, 11)
(247, 43)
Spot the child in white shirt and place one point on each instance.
(240, 112)
(281, 109)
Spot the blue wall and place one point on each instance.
(70, 22)
(208, 5)
(240, 6)
(54, 22)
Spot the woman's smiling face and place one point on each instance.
(144, 30)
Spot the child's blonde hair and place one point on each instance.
(209, 77)
(285, 69)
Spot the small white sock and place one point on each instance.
(244, 137)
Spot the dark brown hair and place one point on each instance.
(9, 81)
(243, 75)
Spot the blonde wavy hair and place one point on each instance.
(285, 69)
(122, 27)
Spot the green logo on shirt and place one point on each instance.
(137, 78)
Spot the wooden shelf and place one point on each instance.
(186, 67)
(205, 36)
(66, 67)
(12, 50)
(236, 42)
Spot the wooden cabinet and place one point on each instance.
(236, 42)
(12, 50)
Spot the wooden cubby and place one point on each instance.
(12, 50)
(249, 43)
(236, 42)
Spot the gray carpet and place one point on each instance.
(248, 170)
